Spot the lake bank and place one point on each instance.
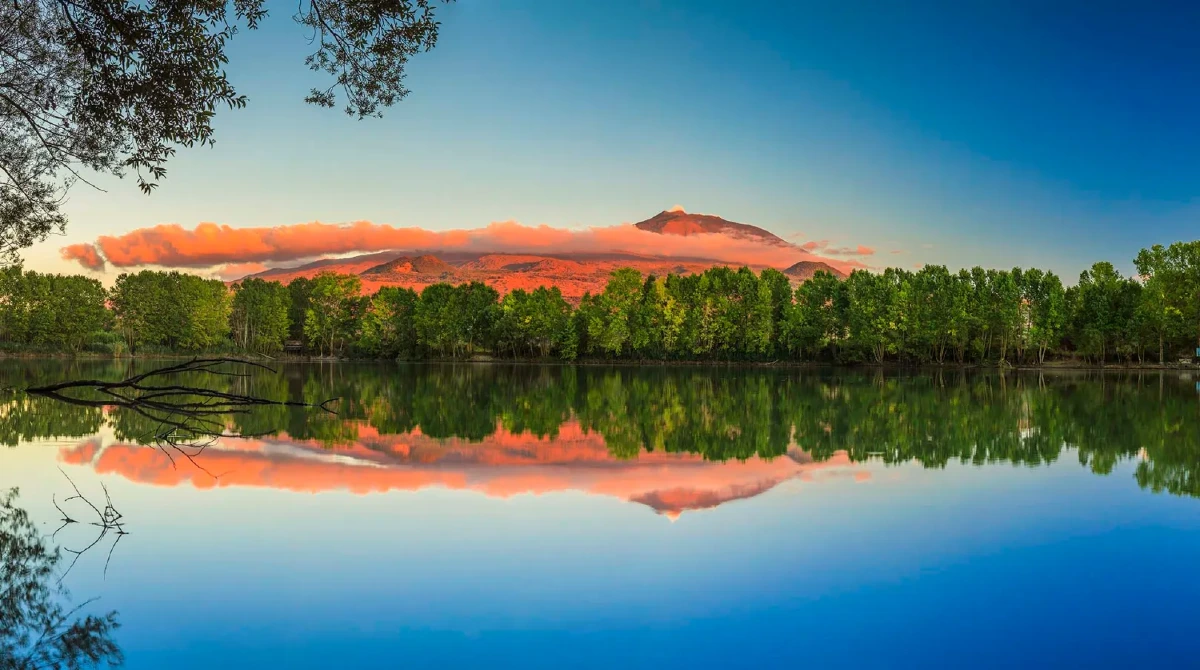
(648, 363)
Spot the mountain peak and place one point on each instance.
(804, 270)
(676, 221)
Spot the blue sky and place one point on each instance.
(959, 133)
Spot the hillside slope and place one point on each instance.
(573, 273)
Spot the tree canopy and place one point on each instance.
(1022, 316)
(116, 86)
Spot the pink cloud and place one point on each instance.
(87, 255)
(860, 250)
(209, 244)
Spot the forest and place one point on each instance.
(927, 316)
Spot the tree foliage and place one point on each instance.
(116, 86)
(260, 315)
(389, 328)
(50, 311)
(174, 310)
(533, 324)
(334, 306)
(930, 316)
(1171, 299)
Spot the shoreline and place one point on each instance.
(1064, 365)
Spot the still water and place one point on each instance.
(543, 516)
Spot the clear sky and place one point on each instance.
(955, 133)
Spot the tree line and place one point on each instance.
(932, 315)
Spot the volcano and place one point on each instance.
(574, 273)
(678, 222)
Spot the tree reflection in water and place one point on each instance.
(37, 630)
(931, 418)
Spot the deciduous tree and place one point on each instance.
(115, 86)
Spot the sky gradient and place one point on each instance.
(961, 135)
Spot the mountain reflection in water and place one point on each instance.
(500, 465)
(670, 438)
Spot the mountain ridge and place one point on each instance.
(574, 273)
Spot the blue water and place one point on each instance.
(859, 564)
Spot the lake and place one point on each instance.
(546, 516)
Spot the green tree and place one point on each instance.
(12, 311)
(870, 315)
(331, 317)
(610, 322)
(816, 320)
(79, 310)
(116, 86)
(259, 317)
(172, 309)
(931, 315)
(660, 320)
(1045, 304)
(201, 311)
(478, 307)
(437, 319)
(684, 291)
(964, 310)
(779, 288)
(50, 311)
(1005, 308)
(299, 291)
(389, 324)
(1161, 311)
(1181, 272)
(754, 307)
(981, 312)
(1100, 312)
(532, 323)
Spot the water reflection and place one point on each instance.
(500, 465)
(40, 629)
(670, 438)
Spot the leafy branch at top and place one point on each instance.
(116, 86)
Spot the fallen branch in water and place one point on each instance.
(108, 520)
(189, 418)
(135, 393)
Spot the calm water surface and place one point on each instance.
(622, 517)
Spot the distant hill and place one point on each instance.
(679, 222)
(425, 264)
(351, 265)
(804, 270)
(573, 273)
(545, 265)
